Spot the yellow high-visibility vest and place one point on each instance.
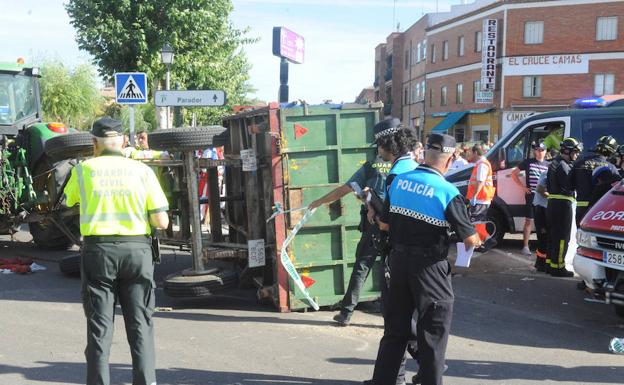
(116, 196)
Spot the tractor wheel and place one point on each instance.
(47, 236)
(74, 145)
(215, 281)
(70, 265)
(188, 138)
(49, 179)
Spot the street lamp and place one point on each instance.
(166, 56)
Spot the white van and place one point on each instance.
(586, 125)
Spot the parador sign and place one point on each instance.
(488, 55)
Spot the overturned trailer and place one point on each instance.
(275, 156)
(302, 152)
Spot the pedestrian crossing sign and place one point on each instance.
(130, 88)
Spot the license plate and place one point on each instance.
(613, 258)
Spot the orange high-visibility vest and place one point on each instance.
(487, 192)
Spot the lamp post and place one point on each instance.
(166, 56)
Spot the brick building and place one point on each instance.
(548, 54)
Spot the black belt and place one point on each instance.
(117, 238)
(428, 254)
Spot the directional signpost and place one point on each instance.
(131, 89)
(190, 98)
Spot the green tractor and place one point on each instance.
(36, 159)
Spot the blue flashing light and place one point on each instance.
(590, 103)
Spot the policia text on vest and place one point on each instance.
(420, 209)
(120, 201)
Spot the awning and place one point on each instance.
(449, 121)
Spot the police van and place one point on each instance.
(585, 124)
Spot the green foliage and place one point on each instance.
(128, 35)
(69, 96)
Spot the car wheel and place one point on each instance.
(74, 145)
(497, 227)
(188, 138)
(214, 281)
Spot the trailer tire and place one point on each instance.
(74, 145)
(197, 286)
(70, 265)
(188, 138)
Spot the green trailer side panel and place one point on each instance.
(323, 147)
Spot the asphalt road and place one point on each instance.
(511, 326)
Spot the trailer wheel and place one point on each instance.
(70, 265)
(195, 286)
(78, 144)
(188, 138)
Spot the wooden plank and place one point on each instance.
(214, 204)
(265, 142)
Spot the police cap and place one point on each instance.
(106, 127)
(386, 127)
(441, 142)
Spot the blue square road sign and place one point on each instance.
(130, 88)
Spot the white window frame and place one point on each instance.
(459, 93)
(531, 86)
(476, 87)
(433, 53)
(424, 49)
(533, 32)
(418, 53)
(604, 84)
(461, 43)
(443, 96)
(445, 46)
(478, 41)
(606, 28)
(422, 90)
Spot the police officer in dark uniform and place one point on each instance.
(559, 210)
(371, 175)
(582, 169)
(120, 201)
(420, 209)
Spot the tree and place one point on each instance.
(128, 35)
(69, 96)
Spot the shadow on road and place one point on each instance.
(74, 373)
(495, 370)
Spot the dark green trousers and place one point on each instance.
(120, 271)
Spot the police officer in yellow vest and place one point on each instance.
(120, 201)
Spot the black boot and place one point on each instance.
(561, 272)
(540, 264)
